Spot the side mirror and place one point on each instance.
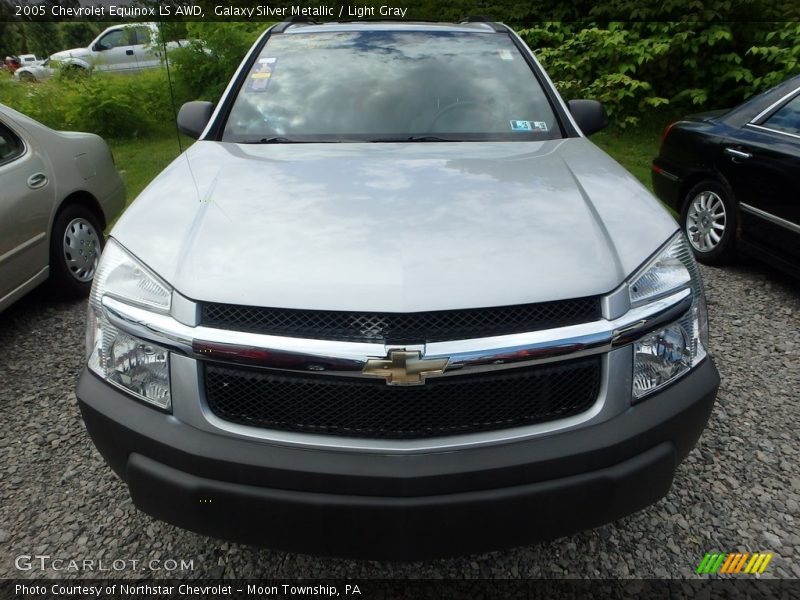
(589, 115)
(193, 118)
(98, 47)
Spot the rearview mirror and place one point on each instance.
(589, 115)
(193, 118)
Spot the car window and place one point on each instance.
(142, 35)
(116, 38)
(389, 86)
(10, 145)
(787, 118)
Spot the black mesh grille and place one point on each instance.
(367, 408)
(401, 328)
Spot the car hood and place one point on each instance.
(33, 69)
(73, 53)
(394, 227)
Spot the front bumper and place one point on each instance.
(396, 505)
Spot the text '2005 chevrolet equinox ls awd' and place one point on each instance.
(394, 304)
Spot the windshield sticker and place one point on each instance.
(262, 73)
(505, 54)
(528, 126)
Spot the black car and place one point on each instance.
(734, 177)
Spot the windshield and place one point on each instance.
(390, 86)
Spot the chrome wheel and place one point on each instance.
(81, 249)
(706, 221)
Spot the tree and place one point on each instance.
(42, 38)
(78, 34)
(11, 41)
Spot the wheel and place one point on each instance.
(75, 245)
(72, 72)
(27, 77)
(709, 220)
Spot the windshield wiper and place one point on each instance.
(273, 140)
(416, 138)
(285, 140)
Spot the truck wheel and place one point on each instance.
(73, 72)
(75, 245)
(709, 220)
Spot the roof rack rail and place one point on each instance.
(294, 19)
(484, 19)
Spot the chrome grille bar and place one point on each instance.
(349, 358)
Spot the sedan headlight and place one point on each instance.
(668, 353)
(139, 367)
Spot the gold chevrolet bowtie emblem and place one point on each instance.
(404, 368)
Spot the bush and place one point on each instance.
(681, 66)
(779, 54)
(110, 105)
(202, 70)
(121, 105)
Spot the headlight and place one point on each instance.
(137, 366)
(664, 355)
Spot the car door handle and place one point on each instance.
(734, 154)
(129, 52)
(37, 180)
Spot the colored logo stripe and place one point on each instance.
(740, 564)
(726, 566)
(734, 562)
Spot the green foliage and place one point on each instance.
(203, 69)
(42, 38)
(779, 51)
(110, 105)
(123, 106)
(10, 38)
(679, 66)
(78, 34)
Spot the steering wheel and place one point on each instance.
(457, 106)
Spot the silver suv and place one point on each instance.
(394, 304)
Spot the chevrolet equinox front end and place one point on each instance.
(394, 304)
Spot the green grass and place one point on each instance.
(140, 160)
(633, 148)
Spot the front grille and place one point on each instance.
(369, 408)
(402, 328)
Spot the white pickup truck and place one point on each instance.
(129, 48)
(26, 60)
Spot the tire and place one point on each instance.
(709, 220)
(27, 78)
(75, 245)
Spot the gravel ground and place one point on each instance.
(738, 490)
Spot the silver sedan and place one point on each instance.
(58, 191)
